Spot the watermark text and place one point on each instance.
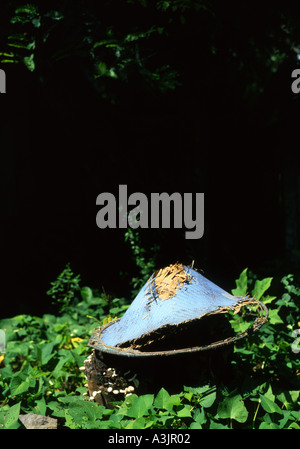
(2, 341)
(187, 211)
(296, 342)
(295, 86)
(2, 82)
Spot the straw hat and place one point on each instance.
(173, 296)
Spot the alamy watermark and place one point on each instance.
(188, 211)
(295, 86)
(296, 342)
(2, 82)
(2, 341)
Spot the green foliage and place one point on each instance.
(233, 407)
(270, 351)
(43, 354)
(25, 35)
(64, 288)
(241, 284)
(40, 370)
(114, 54)
(146, 266)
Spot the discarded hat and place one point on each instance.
(174, 295)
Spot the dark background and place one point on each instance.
(227, 126)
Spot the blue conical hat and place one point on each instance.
(173, 295)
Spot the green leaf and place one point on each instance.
(207, 400)
(46, 353)
(69, 421)
(268, 425)
(162, 399)
(54, 15)
(36, 22)
(175, 399)
(86, 294)
(184, 412)
(195, 425)
(12, 416)
(197, 390)
(287, 398)
(163, 418)
(79, 359)
(274, 318)
(29, 62)
(41, 406)
(268, 402)
(19, 384)
(188, 396)
(80, 411)
(269, 405)
(199, 419)
(233, 408)
(58, 409)
(125, 406)
(294, 425)
(141, 406)
(27, 9)
(241, 284)
(268, 299)
(205, 394)
(296, 414)
(65, 357)
(287, 416)
(139, 423)
(260, 287)
(199, 416)
(217, 425)
(238, 325)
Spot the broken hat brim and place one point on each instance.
(96, 342)
(172, 296)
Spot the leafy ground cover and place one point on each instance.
(40, 370)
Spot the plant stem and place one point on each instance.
(254, 418)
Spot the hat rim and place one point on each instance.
(96, 343)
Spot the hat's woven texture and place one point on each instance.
(171, 296)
